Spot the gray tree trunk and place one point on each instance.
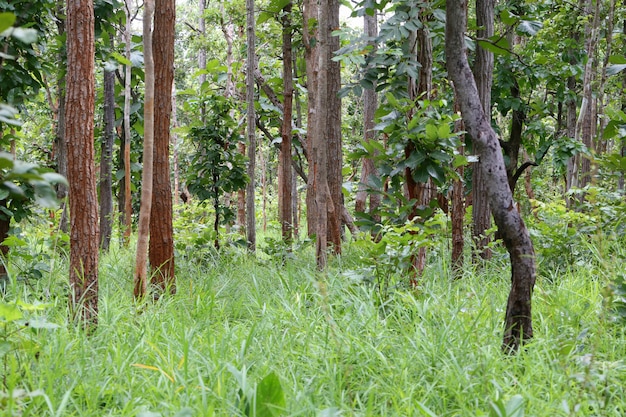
(250, 65)
(518, 320)
(483, 74)
(106, 158)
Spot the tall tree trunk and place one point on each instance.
(79, 137)
(251, 66)
(143, 230)
(518, 320)
(620, 185)
(311, 36)
(370, 103)
(61, 146)
(175, 166)
(106, 160)
(285, 170)
(483, 74)
(335, 151)
(202, 52)
(128, 207)
(161, 246)
(241, 198)
(457, 213)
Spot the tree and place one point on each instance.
(79, 137)
(147, 175)
(161, 246)
(106, 156)
(518, 320)
(483, 74)
(127, 209)
(250, 66)
(285, 170)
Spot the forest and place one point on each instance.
(312, 208)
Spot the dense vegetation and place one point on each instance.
(315, 230)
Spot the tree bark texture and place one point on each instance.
(61, 146)
(161, 246)
(335, 151)
(79, 137)
(106, 160)
(128, 207)
(310, 37)
(250, 65)
(147, 174)
(285, 170)
(457, 213)
(483, 74)
(370, 103)
(518, 320)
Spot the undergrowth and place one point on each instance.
(261, 336)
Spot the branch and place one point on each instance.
(520, 171)
(298, 168)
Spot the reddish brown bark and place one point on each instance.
(161, 249)
(79, 136)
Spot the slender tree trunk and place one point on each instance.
(175, 148)
(128, 208)
(518, 320)
(161, 245)
(483, 74)
(106, 159)
(241, 198)
(202, 52)
(620, 185)
(251, 66)
(61, 146)
(79, 137)
(311, 36)
(370, 103)
(457, 213)
(285, 170)
(143, 231)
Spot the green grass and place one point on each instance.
(334, 348)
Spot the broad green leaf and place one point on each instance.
(497, 46)
(54, 178)
(459, 160)
(529, 27)
(432, 132)
(263, 17)
(617, 59)
(276, 6)
(508, 18)
(9, 312)
(120, 58)
(25, 35)
(270, 397)
(6, 21)
(615, 69)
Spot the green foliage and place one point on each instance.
(217, 167)
(23, 184)
(424, 127)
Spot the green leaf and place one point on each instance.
(432, 133)
(496, 45)
(529, 27)
(9, 312)
(615, 69)
(270, 397)
(459, 160)
(617, 59)
(6, 21)
(508, 18)
(25, 35)
(120, 58)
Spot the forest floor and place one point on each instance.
(265, 336)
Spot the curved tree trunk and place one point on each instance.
(79, 137)
(518, 321)
(161, 250)
(143, 230)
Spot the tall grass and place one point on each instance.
(335, 348)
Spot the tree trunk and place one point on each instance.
(457, 214)
(310, 37)
(128, 207)
(79, 137)
(241, 198)
(143, 230)
(518, 320)
(335, 151)
(175, 166)
(61, 146)
(370, 103)
(202, 53)
(483, 74)
(285, 170)
(161, 246)
(251, 65)
(106, 159)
